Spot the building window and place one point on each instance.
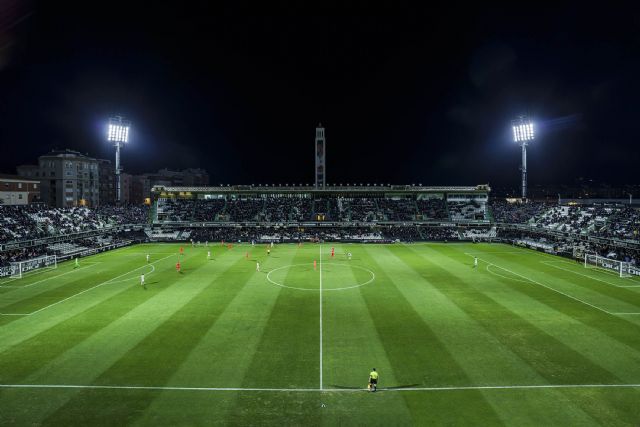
(20, 196)
(19, 185)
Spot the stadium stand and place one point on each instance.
(349, 215)
(36, 221)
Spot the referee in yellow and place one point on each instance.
(373, 380)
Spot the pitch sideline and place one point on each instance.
(318, 390)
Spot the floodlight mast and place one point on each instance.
(523, 133)
(118, 134)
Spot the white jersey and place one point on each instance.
(475, 262)
(147, 257)
(257, 266)
(142, 279)
(209, 254)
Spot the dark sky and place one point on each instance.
(413, 96)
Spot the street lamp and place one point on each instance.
(118, 135)
(522, 134)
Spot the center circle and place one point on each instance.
(304, 277)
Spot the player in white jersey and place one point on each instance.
(142, 281)
(257, 266)
(208, 254)
(147, 258)
(475, 262)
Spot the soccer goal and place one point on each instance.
(596, 261)
(18, 269)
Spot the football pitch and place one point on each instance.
(523, 339)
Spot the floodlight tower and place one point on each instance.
(118, 135)
(522, 134)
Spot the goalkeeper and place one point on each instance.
(373, 380)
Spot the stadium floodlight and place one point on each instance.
(523, 133)
(118, 135)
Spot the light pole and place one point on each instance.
(118, 134)
(522, 134)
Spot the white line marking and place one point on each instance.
(503, 276)
(588, 276)
(316, 390)
(52, 277)
(495, 252)
(321, 317)
(87, 290)
(548, 287)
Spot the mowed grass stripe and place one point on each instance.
(157, 355)
(490, 362)
(602, 295)
(352, 347)
(619, 328)
(72, 350)
(287, 355)
(222, 357)
(595, 345)
(59, 337)
(551, 358)
(416, 353)
(29, 299)
(289, 359)
(629, 298)
(605, 296)
(25, 327)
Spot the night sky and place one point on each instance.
(413, 96)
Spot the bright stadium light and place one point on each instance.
(118, 135)
(523, 133)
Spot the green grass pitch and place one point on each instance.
(524, 339)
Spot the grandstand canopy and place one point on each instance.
(160, 191)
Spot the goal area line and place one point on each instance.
(317, 390)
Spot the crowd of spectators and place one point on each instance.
(435, 208)
(516, 213)
(292, 208)
(603, 220)
(398, 209)
(467, 211)
(439, 234)
(7, 257)
(36, 221)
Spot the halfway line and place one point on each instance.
(320, 317)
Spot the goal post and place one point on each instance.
(20, 268)
(621, 268)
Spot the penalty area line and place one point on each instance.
(316, 390)
(107, 282)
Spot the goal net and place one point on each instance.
(18, 269)
(621, 268)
